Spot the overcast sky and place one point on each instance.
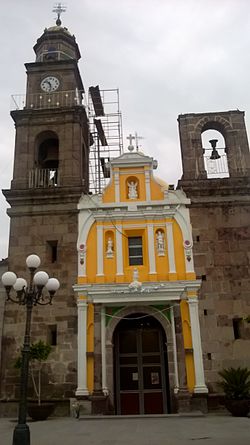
(167, 57)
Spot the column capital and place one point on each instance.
(82, 301)
(193, 300)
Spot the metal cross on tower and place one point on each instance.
(58, 9)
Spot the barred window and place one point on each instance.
(135, 250)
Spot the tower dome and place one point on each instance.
(56, 43)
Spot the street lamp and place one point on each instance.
(28, 295)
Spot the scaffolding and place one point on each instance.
(105, 135)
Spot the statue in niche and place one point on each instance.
(160, 243)
(132, 190)
(110, 248)
(135, 285)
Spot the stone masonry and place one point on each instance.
(220, 217)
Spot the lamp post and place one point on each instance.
(29, 296)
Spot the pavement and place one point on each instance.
(152, 430)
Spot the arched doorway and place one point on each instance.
(141, 366)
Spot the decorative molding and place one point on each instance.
(147, 183)
(99, 248)
(150, 292)
(151, 249)
(82, 307)
(119, 250)
(117, 186)
(200, 386)
(170, 246)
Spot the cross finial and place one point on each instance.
(58, 9)
(137, 140)
(130, 137)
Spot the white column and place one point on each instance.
(103, 345)
(147, 182)
(151, 249)
(117, 187)
(119, 252)
(82, 389)
(176, 374)
(99, 250)
(170, 243)
(200, 386)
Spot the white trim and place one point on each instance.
(183, 220)
(103, 346)
(147, 182)
(200, 386)
(117, 186)
(82, 389)
(176, 373)
(150, 293)
(119, 250)
(99, 249)
(85, 221)
(151, 249)
(170, 244)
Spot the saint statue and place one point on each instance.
(110, 250)
(160, 242)
(132, 190)
(135, 285)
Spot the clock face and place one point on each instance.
(50, 84)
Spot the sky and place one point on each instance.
(167, 57)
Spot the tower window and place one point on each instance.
(237, 322)
(52, 334)
(52, 247)
(135, 250)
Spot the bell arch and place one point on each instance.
(47, 150)
(214, 151)
(231, 125)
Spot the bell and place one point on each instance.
(214, 155)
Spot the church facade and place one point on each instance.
(137, 294)
(155, 282)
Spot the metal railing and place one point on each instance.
(44, 178)
(216, 168)
(38, 101)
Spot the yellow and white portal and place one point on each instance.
(135, 256)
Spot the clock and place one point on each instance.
(50, 84)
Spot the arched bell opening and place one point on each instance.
(214, 151)
(48, 151)
(46, 172)
(141, 375)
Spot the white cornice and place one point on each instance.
(150, 293)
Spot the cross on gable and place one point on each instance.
(130, 137)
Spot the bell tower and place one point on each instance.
(220, 218)
(50, 174)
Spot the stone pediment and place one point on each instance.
(134, 158)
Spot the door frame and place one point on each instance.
(163, 365)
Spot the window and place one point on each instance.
(135, 250)
(237, 328)
(52, 246)
(52, 334)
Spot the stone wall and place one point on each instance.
(30, 233)
(221, 232)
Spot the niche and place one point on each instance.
(132, 188)
(109, 244)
